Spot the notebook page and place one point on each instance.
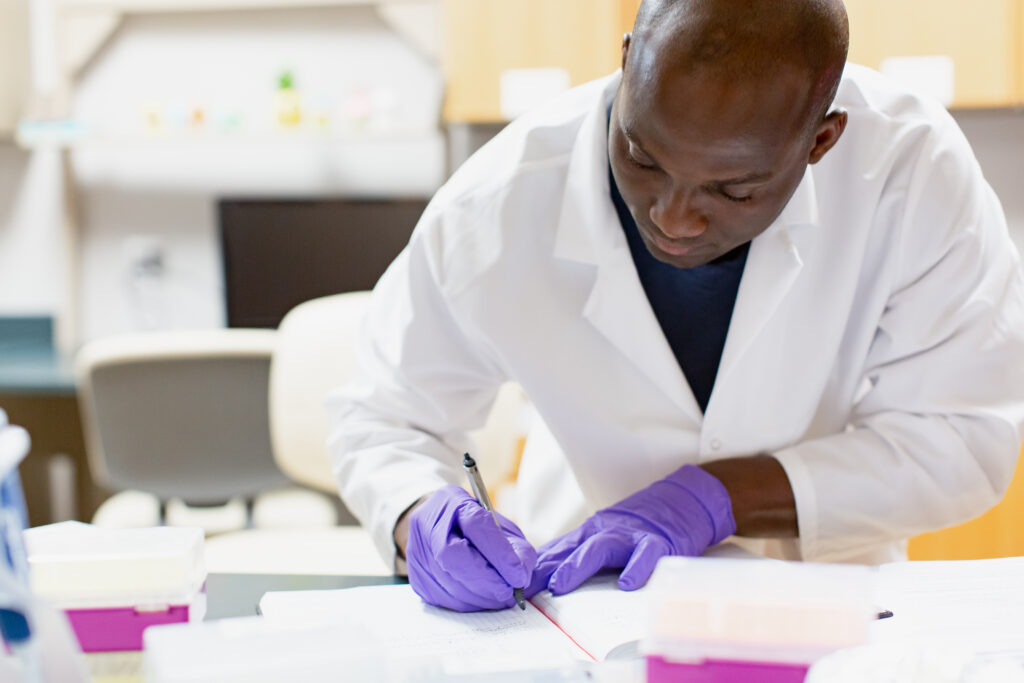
(398, 618)
(973, 605)
(598, 616)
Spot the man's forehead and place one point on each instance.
(705, 106)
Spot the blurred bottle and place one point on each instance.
(288, 102)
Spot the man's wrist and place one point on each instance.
(762, 498)
(401, 533)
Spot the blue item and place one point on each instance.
(13, 626)
(693, 305)
(13, 520)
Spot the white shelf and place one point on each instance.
(166, 6)
(276, 164)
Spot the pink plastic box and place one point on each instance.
(114, 583)
(719, 620)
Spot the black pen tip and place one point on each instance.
(520, 600)
(468, 461)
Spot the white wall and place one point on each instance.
(31, 257)
(139, 186)
(998, 140)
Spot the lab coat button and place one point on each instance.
(716, 444)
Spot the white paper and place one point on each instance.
(976, 605)
(595, 622)
(599, 617)
(463, 642)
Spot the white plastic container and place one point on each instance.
(260, 650)
(752, 620)
(114, 583)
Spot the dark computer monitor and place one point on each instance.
(278, 253)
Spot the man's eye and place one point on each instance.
(639, 164)
(733, 198)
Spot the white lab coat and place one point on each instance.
(876, 346)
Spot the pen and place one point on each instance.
(476, 482)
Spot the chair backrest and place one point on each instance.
(179, 414)
(315, 354)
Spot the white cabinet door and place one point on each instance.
(14, 63)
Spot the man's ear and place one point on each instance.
(626, 40)
(828, 134)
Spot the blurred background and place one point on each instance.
(210, 164)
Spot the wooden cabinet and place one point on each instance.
(985, 39)
(14, 63)
(483, 38)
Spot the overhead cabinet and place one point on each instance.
(485, 38)
(983, 39)
(975, 50)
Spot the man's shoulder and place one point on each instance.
(893, 131)
(885, 102)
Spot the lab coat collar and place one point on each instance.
(773, 264)
(588, 227)
(589, 232)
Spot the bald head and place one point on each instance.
(744, 41)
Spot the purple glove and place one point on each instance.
(682, 514)
(458, 558)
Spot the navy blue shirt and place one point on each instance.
(692, 305)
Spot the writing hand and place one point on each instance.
(459, 559)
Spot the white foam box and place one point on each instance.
(743, 619)
(114, 583)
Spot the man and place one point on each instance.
(743, 304)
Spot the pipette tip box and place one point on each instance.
(716, 620)
(114, 583)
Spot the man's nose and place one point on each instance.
(677, 215)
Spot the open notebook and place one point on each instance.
(596, 622)
(592, 623)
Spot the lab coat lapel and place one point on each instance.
(589, 232)
(773, 264)
(619, 309)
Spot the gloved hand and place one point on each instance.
(682, 514)
(458, 558)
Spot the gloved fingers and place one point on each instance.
(523, 548)
(468, 569)
(512, 558)
(649, 550)
(607, 548)
(552, 554)
(447, 570)
(433, 592)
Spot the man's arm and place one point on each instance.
(762, 498)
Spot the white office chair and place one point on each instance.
(315, 354)
(178, 423)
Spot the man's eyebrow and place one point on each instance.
(630, 134)
(755, 177)
(747, 178)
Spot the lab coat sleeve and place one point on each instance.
(934, 440)
(398, 430)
